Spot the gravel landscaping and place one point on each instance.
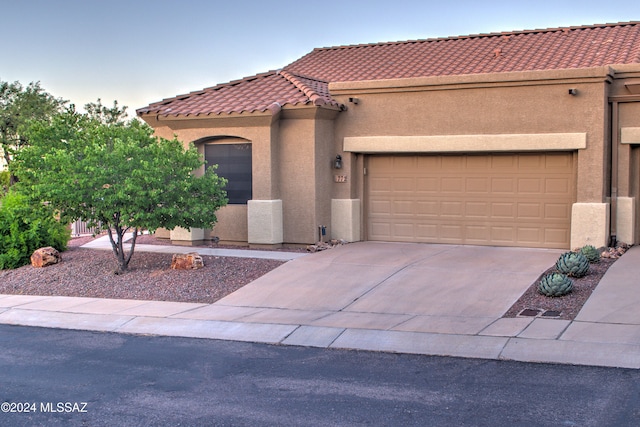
(564, 307)
(90, 273)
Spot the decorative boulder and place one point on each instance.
(190, 261)
(45, 256)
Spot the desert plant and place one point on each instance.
(591, 253)
(25, 228)
(573, 264)
(555, 285)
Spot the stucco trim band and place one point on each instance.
(264, 219)
(345, 219)
(630, 135)
(465, 143)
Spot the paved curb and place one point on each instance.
(544, 344)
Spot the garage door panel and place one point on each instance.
(477, 184)
(452, 185)
(530, 185)
(559, 186)
(557, 235)
(501, 199)
(502, 210)
(504, 185)
(427, 185)
(530, 211)
(476, 209)
(558, 211)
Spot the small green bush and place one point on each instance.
(25, 228)
(591, 253)
(4, 183)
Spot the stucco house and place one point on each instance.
(526, 138)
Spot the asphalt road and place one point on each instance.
(76, 378)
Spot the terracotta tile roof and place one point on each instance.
(560, 48)
(305, 81)
(262, 92)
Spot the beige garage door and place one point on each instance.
(497, 199)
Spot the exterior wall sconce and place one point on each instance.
(573, 92)
(354, 101)
(337, 163)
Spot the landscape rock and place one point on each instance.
(190, 261)
(321, 246)
(616, 252)
(45, 256)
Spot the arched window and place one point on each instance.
(234, 163)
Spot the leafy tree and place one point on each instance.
(117, 176)
(106, 115)
(18, 106)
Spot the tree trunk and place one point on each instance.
(117, 245)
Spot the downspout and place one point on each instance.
(613, 221)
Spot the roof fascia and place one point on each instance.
(255, 118)
(212, 120)
(521, 78)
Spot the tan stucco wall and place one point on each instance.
(231, 225)
(298, 175)
(441, 107)
(258, 130)
(292, 153)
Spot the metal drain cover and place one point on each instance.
(551, 313)
(529, 312)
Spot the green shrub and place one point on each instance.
(25, 228)
(591, 253)
(4, 183)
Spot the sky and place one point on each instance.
(141, 51)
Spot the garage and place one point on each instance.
(501, 199)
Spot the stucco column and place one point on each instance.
(589, 224)
(345, 219)
(191, 237)
(625, 224)
(265, 222)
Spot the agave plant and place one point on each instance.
(591, 253)
(573, 264)
(555, 285)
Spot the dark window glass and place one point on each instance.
(234, 164)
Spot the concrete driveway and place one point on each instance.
(399, 286)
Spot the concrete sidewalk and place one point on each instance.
(407, 298)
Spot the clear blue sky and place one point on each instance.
(141, 51)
